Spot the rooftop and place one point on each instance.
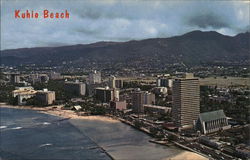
(154, 106)
(22, 92)
(208, 116)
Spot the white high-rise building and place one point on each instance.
(112, 80)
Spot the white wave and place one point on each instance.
(46, 123)
(2, 127)
(46, 144)
(17, 128)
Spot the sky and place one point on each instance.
(118, 20)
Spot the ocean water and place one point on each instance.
(27, 134)
(124, 142)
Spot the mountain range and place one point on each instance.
(195, 47)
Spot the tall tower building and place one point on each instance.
(95, 77)
(115, 83)
(137, 101)
(139, 98)
(186, 100)
(14, 78)
(105, 95)
(112, 80)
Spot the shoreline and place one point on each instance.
(56, 110)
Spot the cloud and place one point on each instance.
(117, 20)
(208, 20)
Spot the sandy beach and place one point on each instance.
(187, 156)
(56, 110)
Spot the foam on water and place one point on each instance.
(46, 144)
(2, 127)
(31, 128)
(17, 128)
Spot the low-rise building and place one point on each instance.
(55, 75)
(212, 142)
(164, 81)
(40, 78)
(118, 105)
(243, 150)
(156, 109)
(23, 93)
(75, 88)
(160, 90)
(210, 122)
(76, 108)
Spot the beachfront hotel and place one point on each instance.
(186, 100)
